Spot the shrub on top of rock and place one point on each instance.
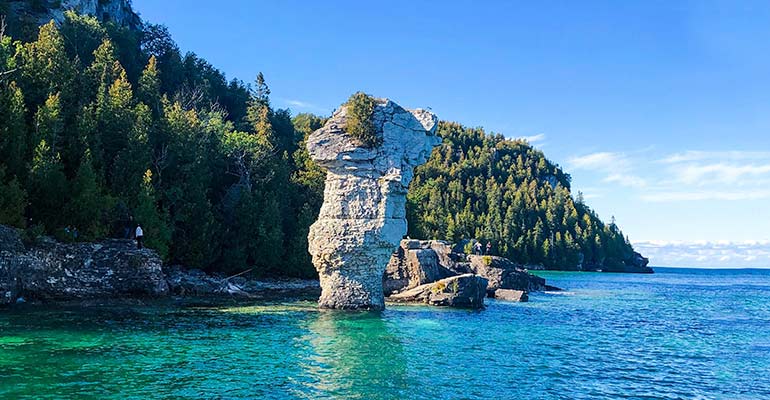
(360, 108)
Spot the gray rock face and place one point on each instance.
(511, 295)
(463, 291)
(53, 271)
(116, 11)
(504, 274)
(418, 262)
(363, 216)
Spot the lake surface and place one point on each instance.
(679, 333)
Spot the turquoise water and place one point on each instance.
(675, 334)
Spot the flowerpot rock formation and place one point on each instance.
(363, 216)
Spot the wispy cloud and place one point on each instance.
(685, 176)
(534, 138)
(617, 168)
(696, 155)
(303, 105)
(707, 254)
(661, 195)
(601, 161)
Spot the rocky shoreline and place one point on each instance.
(51, 272)
(420, 271)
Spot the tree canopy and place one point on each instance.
(104, 127)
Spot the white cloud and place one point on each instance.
(626, 180)
(701, 174)
(707, 254)
(616, 168)
(685, 176)
(695, 155)
(659, 195)
(601, 161)
(303, 105)
(534, 138)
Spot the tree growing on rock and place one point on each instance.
(360, 108)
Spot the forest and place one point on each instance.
(104, 127)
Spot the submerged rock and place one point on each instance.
(363, 216)
(464, 291)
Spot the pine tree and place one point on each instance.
(13, 201)
(157, 233)
(13, 132)
(48, 189)
(88, 207)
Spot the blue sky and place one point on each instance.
(658, 109)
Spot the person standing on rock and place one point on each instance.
(489, 248)
(477, 248)
(139, 237)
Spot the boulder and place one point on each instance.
(363, 216)
(52, 271)
(510, 295)
(502, 273)
(462, 291)
(413, 264)
(10, 247)
(419, 262)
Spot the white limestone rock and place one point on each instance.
(119, 12)
(363, 217)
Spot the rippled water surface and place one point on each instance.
(675, 334)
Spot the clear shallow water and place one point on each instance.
(675, 334)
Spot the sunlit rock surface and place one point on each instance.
(363, 216)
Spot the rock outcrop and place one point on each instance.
(502, 273)
(115, 11)
(418, 262)
(511, 295)
(51, 271)
(635, 264)
(463, 291)
(363, 216)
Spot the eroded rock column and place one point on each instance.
(363, 217)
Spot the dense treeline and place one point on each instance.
(103, 127)
(477, 185)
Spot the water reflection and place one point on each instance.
(354, 355)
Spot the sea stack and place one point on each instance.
(363, 216)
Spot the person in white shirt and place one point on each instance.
(139, 236)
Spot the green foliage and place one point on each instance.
(360, 108)
(221, 180)
(88, 207)
(13, 201)
(154, 221)
(485, 187)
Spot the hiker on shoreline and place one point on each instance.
(139, 237)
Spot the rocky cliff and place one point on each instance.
(363, 216)
(25, 12)
(52, 271)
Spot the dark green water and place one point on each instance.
(677, 334)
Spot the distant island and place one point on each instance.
(108, 124)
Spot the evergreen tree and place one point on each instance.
(88, 207)
(13, 201)
(13, 131)
(154, 222)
